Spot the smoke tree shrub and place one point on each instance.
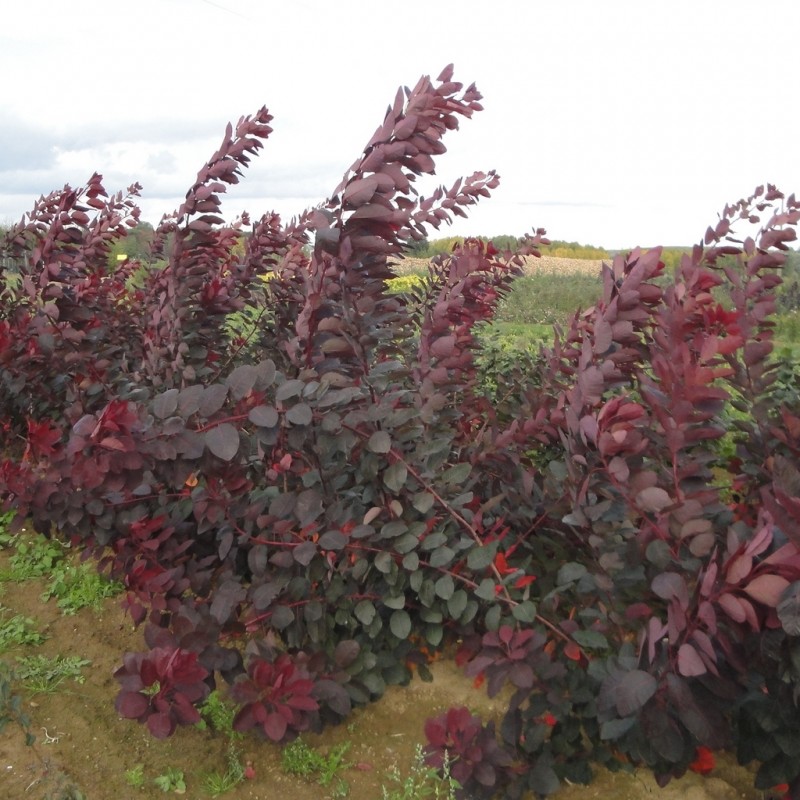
(332, 486)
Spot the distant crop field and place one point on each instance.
(548, 265)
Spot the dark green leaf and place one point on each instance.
(481, 557)
(282, 617)
(423, 502)
(364, 612)
(308, 506)
(383, 562)
(379, 442)
(300, 414)
(441, 557)
(615, 728)
(395, 601)
(524, 611)
(411, 562)
(332, 540)
(592, 640)
(444, 587)
(457, 603)
(572, 571)
(543, 779)
(400, 624)
(457, 474)
(631, 690)
(287, 389)
(485, 590)
(263, 416)
(395, 476)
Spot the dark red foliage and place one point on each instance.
(275, 698)
(267, 445)
(161, 688)
(476, 760)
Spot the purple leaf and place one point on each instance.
(132, 705)
(223, 441)
(767, 589)
(689, 662)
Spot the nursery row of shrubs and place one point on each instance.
(307, 506)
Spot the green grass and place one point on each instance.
(74, 586)
(77, 586)
(421, 781)
(135, 776)
(45, 674)
(303, 761)
(34, 557)
(218, 783)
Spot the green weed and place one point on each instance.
(78, 586)
(173, 780)
(6, 538)
(135, 776)
(18, 631)
(44, 674)
(218, 715)
(218, 783)
(34, 557)
(299, 759)
(421, 781)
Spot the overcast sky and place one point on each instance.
(610, 122)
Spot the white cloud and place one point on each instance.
(611, 123)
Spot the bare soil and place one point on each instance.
(83, 743)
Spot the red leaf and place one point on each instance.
(653, 499)
(703, 762)
(161, 725)
(767, 589)
(689, 662)
(132, 705)
(360, 190)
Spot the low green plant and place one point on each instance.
(135, 776)
(78, 586)
(218, 783)
(217, 715)
(34, 557)
(18, 631)
(421, 781)
(6, 537)
(173, 780)
(299, 759)
(45, 674)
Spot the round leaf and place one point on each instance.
(263, 416)
(400, 624)
(300, 414)
(379, 442)
(223, 441)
